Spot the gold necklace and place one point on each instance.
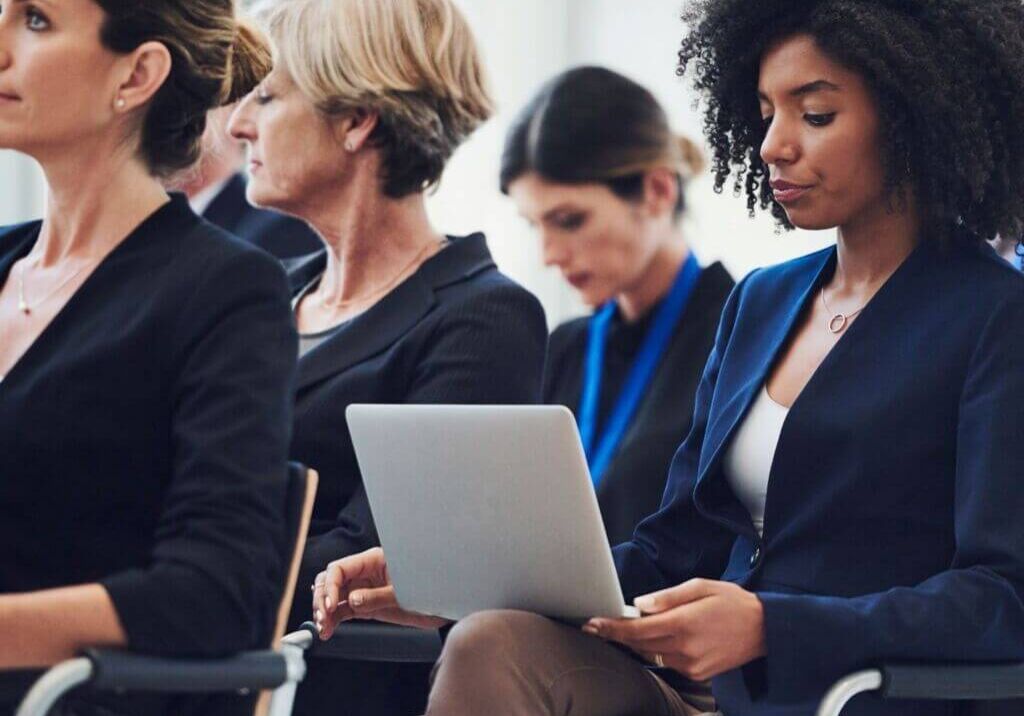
(345, 303)
(23, 304)
(837, 323)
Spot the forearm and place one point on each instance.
(43, 628)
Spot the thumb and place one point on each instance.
(367, 601)
(661, 601)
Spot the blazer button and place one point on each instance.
(755, 558)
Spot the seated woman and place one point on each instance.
(850, 491)
(366, 103)
(609, 206)
(147, 357)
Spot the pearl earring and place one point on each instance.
(350, 147)
(120, 103)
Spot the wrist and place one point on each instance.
(760, 633)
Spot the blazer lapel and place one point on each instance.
(737, 399)
(395, 315)
(370, 333)
(20, 247)
(302, 270)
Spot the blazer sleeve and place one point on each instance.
(554, 364)
(488, 349)
(972, 612)
(216, 572)
(677, 542)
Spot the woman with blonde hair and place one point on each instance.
(593, 164)
(147, 358)
(366, 103)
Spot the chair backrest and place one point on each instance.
(301, 493)
(302, 485)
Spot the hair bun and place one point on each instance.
(691, 157)
(250, 62)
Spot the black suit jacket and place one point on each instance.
(457, 331)
(143, 438)
(634, 480)
(277, 234)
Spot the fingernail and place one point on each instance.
(319, 615)
(644, 603)
(356, 599)
(590, 630)
(327, 602)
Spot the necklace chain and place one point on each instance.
(387, 286)
(23, 304)
(838, 321)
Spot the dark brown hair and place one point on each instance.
(592, 125)
(215, 60)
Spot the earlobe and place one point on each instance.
(148, 69)
(661, 188)
(355, 130)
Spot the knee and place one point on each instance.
(485, 638)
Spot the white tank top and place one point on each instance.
(748, 460)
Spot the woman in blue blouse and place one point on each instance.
(850, 490)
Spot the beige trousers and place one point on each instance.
(509, 663)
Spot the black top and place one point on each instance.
(277, 234)
(456, 331)
(635, 479)
(143, 437)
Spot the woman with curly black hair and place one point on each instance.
(849, 492)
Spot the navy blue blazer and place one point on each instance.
(277, 234)
(892, 526)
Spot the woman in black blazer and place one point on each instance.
(390, 311)
(147, 358)
(608, 205)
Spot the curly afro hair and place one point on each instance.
(947, 76)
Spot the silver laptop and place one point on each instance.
(486, 507)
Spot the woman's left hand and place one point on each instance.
(701, 628)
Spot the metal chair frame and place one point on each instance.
(278, 669)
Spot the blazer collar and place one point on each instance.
(792, 296)
(230, 204)
(711, 496)
(393, 316)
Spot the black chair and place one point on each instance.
(375, 641)
(278, 669)
(993, 689)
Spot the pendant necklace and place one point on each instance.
(838, 322)
(23, 304)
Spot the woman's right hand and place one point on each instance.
(358, 587)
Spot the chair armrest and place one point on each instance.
(973, 682)
(121, 670)
(961, 682)
(375, 641)
(112, 670)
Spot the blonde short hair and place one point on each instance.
(414, 62)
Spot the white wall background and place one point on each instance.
(525, 42)
(21, 188)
